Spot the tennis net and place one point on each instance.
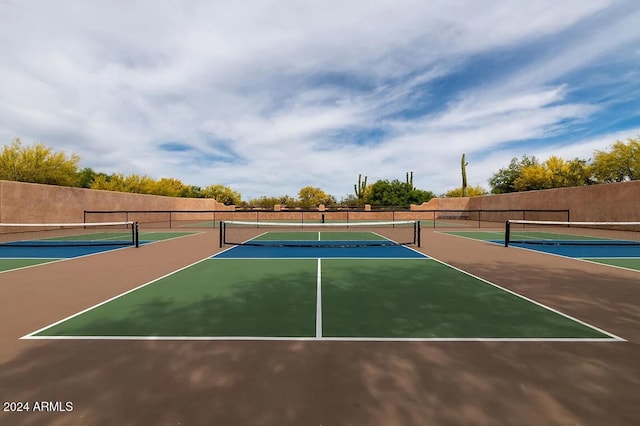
(334, 234)
(69, 234)
(571, 233)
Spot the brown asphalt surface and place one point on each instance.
(322, 383)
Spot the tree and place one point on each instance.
(621, 163)
(553, 173)
(38, 164)
(473, 191)
(503, 180)
(396, 193)
(535, 176)
(170, 187)
(222, 194)
(311, 196)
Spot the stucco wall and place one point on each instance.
(606, 202)
(28, 202)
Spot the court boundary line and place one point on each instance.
(611, 337)
(624, 268)
(62, 259)
(53, 260)
(40, 330)
(580, 259)
(319, 300)
(335, 339)
(147, 242)
(314, 258)
(528, 299)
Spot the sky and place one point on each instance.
(269, 96)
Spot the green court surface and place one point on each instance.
(322, 298)
(162, 235)
(479, 235)
(8, 264)
(631, 262)
(536, 235)
(628, 263)
(21, 257)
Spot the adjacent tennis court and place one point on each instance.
(326, 284)
(610, 243)
(24, 245)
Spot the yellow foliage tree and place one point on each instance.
(38, 164)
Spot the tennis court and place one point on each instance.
(355, 285)
(614, 244)
(343, 323)
(24, 245)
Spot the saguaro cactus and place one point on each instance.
(464, 165)
(410, 181)
(360, 187)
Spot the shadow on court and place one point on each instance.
(276, 383)
(352, 383)
(278, 305)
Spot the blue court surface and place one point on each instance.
(323, 252)
(593, 250)
(52, 251)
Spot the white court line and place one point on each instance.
(331, 339)
(46, 262)
(319, 301)
(31, 335)
(532, 301)
(595, 262)
(579, 259)
(612, 337)
(62, 259)
(501, 235)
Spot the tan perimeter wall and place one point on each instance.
(601, 203)
(35, 203)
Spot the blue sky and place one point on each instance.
(270, 96)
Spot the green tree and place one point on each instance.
(38, 164)
(621, 163)
(85, 177)
(311, 196)
(222, 194)
(503, 180)
(396, 193)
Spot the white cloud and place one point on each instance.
(285, 83)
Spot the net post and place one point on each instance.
(417, 226)
(136, 234)
(507, 233)
(221, 242)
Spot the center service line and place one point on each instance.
(319, 301)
